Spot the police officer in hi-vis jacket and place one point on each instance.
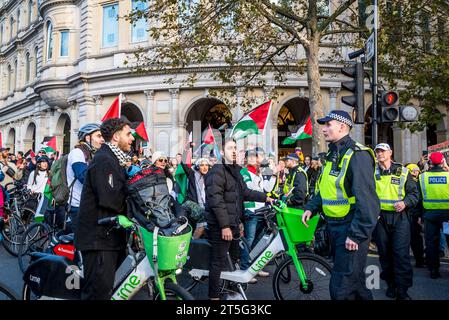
(347, 196)
(397, 192)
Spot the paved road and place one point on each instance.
(424, 288)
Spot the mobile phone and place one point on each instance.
(425, 152)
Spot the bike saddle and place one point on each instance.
(67, 238)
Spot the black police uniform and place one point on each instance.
(298, 197)
(392, 237)
(416, 230)
(348, 272)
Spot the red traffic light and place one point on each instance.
(390, 98)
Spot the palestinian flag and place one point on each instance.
(304, 132)
(140, 132)
(1, 141)
(252, 123)
(49, 144)
(114, 110)
(29, 154)
(45, 203)
(182, 181)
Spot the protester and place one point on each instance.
(9, 169)
(37, 180)
(104, 195)
(225, 194)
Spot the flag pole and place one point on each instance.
(120, 105)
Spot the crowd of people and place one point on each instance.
(390, 209)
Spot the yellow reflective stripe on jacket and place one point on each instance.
(289, 183)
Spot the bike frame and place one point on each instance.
(281, 242)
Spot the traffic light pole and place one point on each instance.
(374, 82)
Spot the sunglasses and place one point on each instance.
(163, 160)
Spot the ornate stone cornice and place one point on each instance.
(149, 94)
(174, 93)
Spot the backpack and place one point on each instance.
(58, 181)
(149, 200)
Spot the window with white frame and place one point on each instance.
(139, 28)
(30, 11)
(110, 25)
(64, 43)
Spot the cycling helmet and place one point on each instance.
(43, 159)
(87, 129)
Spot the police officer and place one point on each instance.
(397, 192)
(434, 186)
(296, 185)
(347, 196)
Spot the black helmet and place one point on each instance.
(43, 159)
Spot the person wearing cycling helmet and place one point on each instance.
(90, 140)
(38, 178)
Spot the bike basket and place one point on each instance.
(172, 251)
(296, 230)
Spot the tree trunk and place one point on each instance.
(315, 100)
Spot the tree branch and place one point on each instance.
(339, 11)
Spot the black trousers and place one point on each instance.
(219, 258)
(348, 278)
(433, 222)
(99, 273)
(416, 239)
(392, 237)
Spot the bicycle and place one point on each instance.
(6, 293)
(301, 275)
(151, 264)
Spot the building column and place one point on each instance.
(86, 110)
(238, 111)
(40, 129)
(398, 145)
(267, 135)
(74, 124)
(174, 136)
(98, 100)
(150, 119)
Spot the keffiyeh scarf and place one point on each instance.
(122, 157)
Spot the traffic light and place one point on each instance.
(389, 106)
(357, 100)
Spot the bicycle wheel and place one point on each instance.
(6, 293)
(318, 274)
(174, 291)
(27, 294)
(35, 239)
(12, 232)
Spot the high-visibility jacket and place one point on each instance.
(435, 190)
(288, 186)
(390, 188)
(335, 200)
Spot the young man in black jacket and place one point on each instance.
(225, 193)
(103, 195)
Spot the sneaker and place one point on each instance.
(435, 274)
(253, 281)
(263, 274)
(391, 291)
(403, 295)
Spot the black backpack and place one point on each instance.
(149, 201)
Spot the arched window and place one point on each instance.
(36, 52)
(11, 28)
(27, 67)
(30, 11)
(1, 34)
(49, 40)
(9, 79)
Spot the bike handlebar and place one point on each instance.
(105, 221)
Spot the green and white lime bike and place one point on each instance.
(149, 270)
(301, 275)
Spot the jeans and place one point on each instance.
(253, 231)
(218, 258)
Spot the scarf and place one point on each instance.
(122, 157)
(200, 189)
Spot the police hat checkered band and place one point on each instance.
(340, 118)
(383, 146)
